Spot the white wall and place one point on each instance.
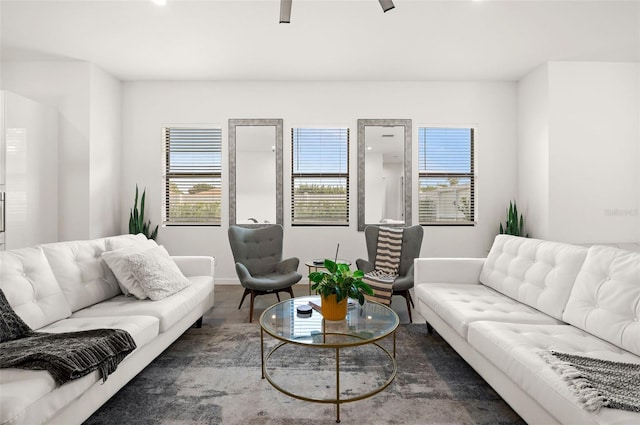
(31, 170)
(594, 179)
(533, 152)
(64, 86)
(105, 155)
(490, 107)
(579, 138)
(89, 140)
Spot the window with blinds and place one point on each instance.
(192, 175)
(320, 176)
(446, 194)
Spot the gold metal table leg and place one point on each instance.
(394, 344)
(337, 385)
(262, 351)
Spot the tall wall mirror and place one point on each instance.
(255, 172)
(384, 172)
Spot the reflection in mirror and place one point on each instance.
(255, 171)
(384, 172)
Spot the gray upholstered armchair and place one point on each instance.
(257, 253)
(411, 244)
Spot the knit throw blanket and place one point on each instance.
(66, 356)
(388, 251)
(598, 383)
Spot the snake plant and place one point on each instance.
(514, 224)
(136, 219)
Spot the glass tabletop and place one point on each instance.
(363, 324)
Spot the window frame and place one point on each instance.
(340, 175)
(167, 175)
(471, 175)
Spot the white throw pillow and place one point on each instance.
(124, 241)
(121, 270)
(156, 272)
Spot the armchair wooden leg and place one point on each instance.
(246, 292)
(290, 289)
(410, 298)
(253, 297)
(407, 297)
(278, 296)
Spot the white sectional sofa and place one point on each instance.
(529, 296)
(66, 286)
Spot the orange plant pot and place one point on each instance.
(332, 310)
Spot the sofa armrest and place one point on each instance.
(448, 270)
(191, 265)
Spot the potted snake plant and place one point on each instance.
(336, 284)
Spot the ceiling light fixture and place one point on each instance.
(285, 9)
(160, 2)
(386, 5)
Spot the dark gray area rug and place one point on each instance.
(212, 376)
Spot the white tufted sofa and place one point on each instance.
(528, 296)
(64, 287)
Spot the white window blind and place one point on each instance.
(446, 176)
(320, 176)
(193, 176)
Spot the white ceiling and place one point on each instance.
(350, 40)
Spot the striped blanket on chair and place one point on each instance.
(388, 250)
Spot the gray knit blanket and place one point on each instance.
(598, 383)
(71, 355)
(66, 356)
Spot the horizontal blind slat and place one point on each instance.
(446, 183)
(320, 176)
(193, 181)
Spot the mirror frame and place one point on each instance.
(233, 124)
(406, 123)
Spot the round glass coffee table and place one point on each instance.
(366, 324)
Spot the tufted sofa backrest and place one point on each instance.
(81, 272)
(31, 288)
(605, 300)
(535, 272)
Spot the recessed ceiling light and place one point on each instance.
(160, 2)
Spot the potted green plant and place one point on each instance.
(336, 284)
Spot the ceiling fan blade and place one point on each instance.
(387, 5)
(285, 11)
